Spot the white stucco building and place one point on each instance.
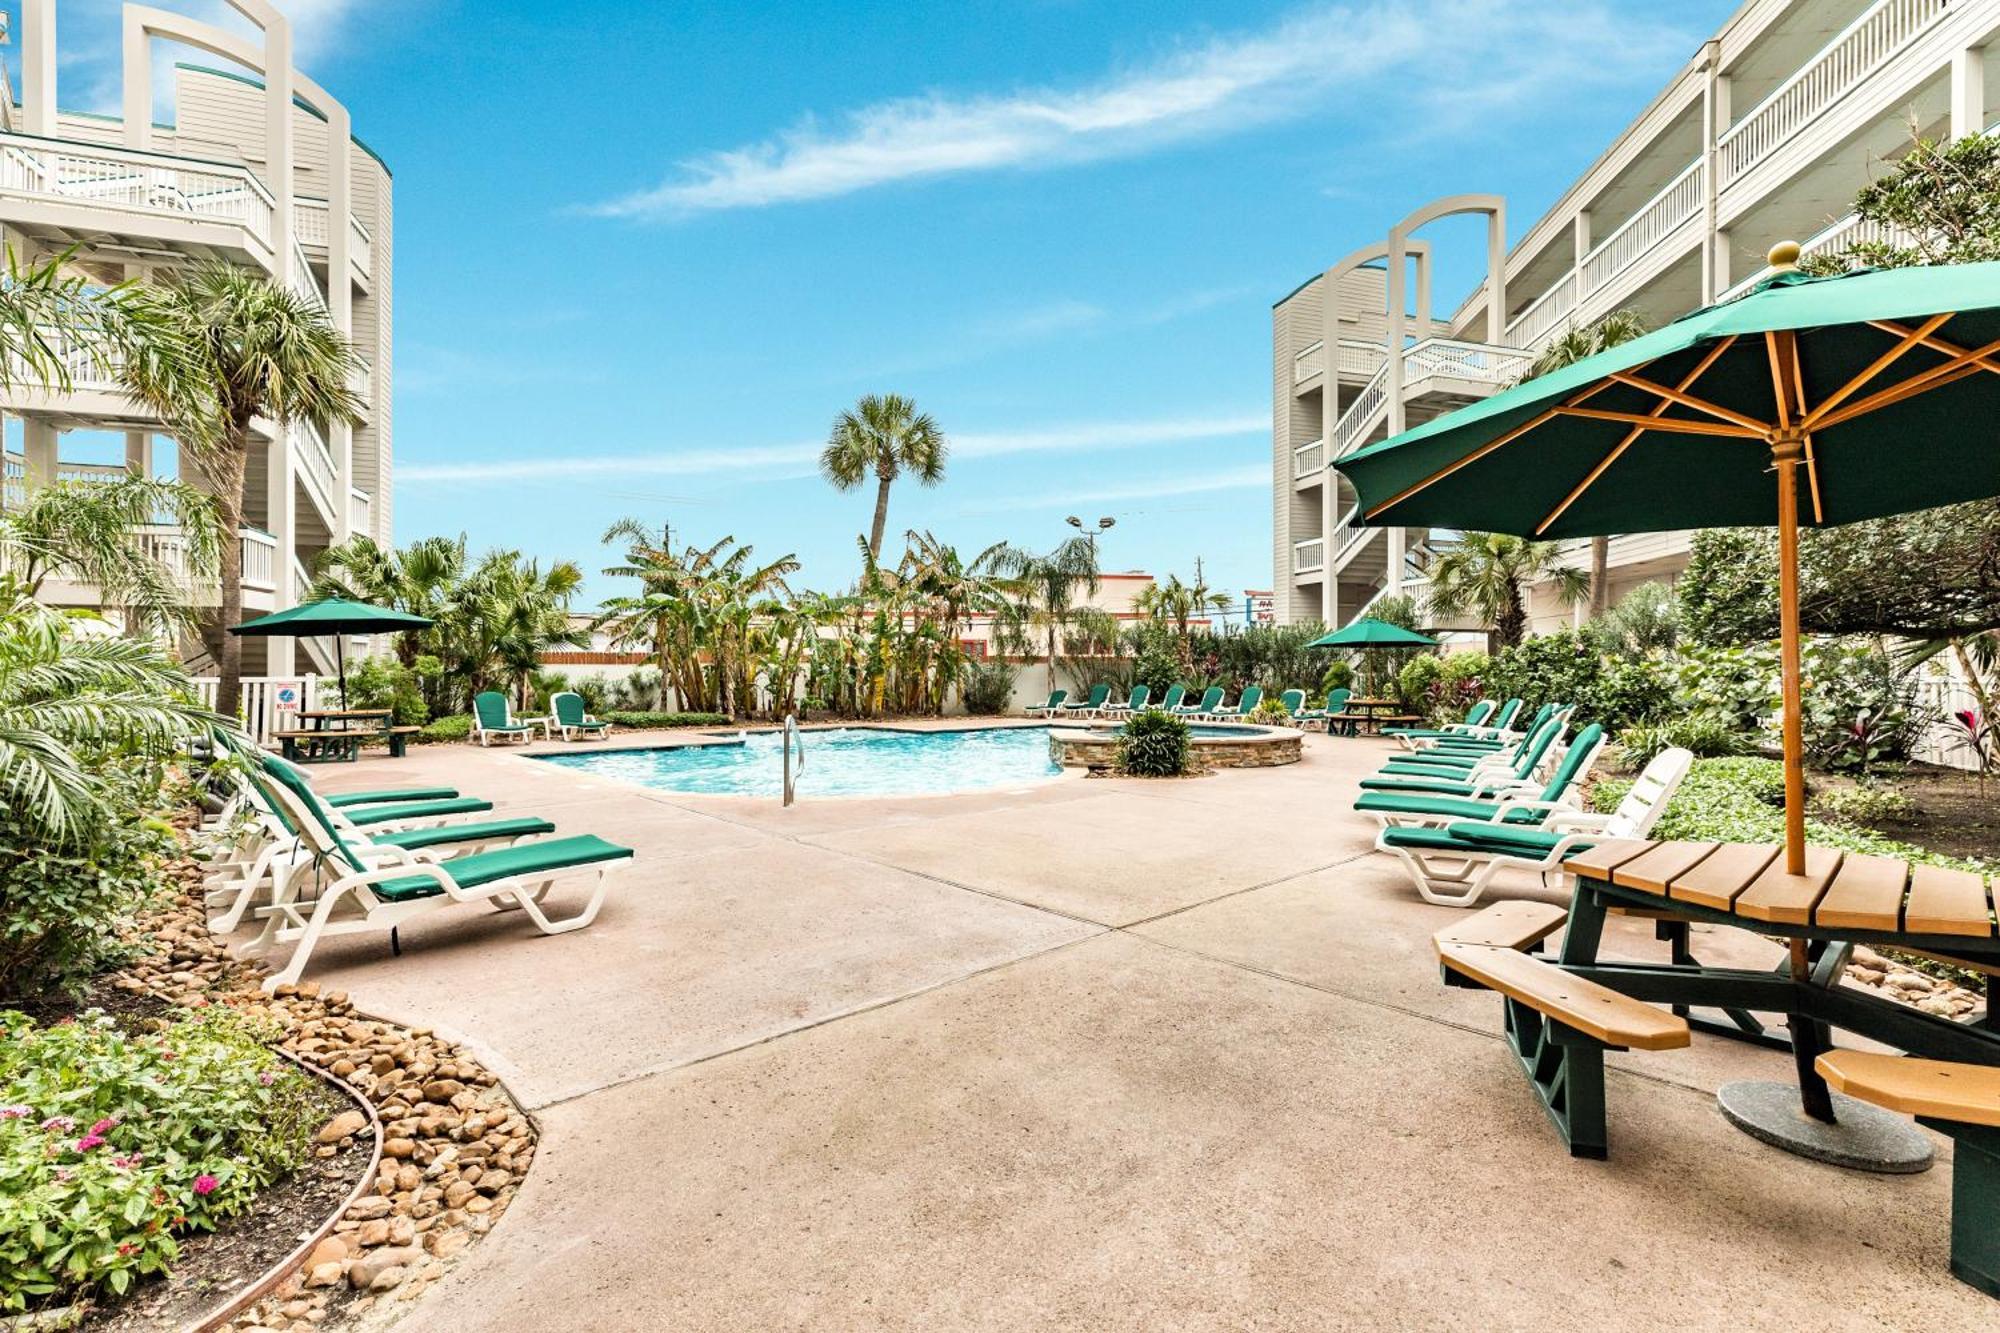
(1764, 135)
(249, 161)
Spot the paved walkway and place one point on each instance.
(1093, 1055)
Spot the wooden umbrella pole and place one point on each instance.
(1788, 451)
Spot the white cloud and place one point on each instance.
(1402, 64)
(1253, 476)
(776, 461)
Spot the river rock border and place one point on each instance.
(455, 1143)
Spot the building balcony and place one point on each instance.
(1455, 370)
(168, 544)
(310, 225)
(1309, 460)
(66, 192)
(1308, 555)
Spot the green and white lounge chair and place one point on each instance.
(1056, 698)
(1211, 698)
(1294, 702)
(385, 795)
(1087, 706)
(1171, 700)
(1134, 703)
(1487, 779)
(493, 720)
(1456, 760)
(1245, 705)
(1495, 731)
(370, 897)
(1560, 793)
(271, 850)
(1328, 714)
(1454, 865)
(1474, 717)
(1456, 749)
(568, 717)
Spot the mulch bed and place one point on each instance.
(1954, 813)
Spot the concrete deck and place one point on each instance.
(1099, 1055)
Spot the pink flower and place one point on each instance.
(89, 1141)
(60, 1123)
(126, 1162)
(205, 1184)
(105, 1126)
(267, 1078)
(14, 1112)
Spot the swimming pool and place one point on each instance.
(847, 761)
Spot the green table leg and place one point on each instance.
(1975, 1203)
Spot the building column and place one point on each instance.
(340, 295)
(1714, 120)
(39, 452)
(1496, 274)
(38, 67)
(1968, 92)
(280, 509)
(139, 453)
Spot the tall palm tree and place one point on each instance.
(1483, 573)
(88, 531)
(224, 348)
(883, 435)
(508, 612)
(1047, 604)
(1179, 604)
(1572, 345)
(423, 579)
(49, 315)
(66, 699)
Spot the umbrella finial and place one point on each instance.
(1784, 257)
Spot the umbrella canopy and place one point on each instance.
(1866, 395)
(334, 616)
(1373, 634)
(330, 615)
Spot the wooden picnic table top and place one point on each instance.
(1840, 892)
(342, 714)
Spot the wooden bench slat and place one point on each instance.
(1722, 875)
(1605, 857)
(1947, 902)
(1944, 1089)
(1659, 867)
(1596, 1011)
(1867, 894)
(1777, 895)
(1508, 925)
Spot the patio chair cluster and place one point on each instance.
(310, 865)
(1207, 706)
(493, 719)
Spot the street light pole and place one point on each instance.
(1103, 525)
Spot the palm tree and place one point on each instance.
(65, 700)
(1483, 574)
(1046, 597)
(884, 435)
(422, 579)
(87, 531)
(508, 612)
(224, 347)
(1567, 348)
(1179, 604)
(42, 308)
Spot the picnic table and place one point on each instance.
(1377, 713)
(1562, 1013)
(335, 735)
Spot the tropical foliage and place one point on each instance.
(92, 532)
(1484, 573)
(222, 348)
(882, 436)
(1153, 744)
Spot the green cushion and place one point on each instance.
(584, 726)
(445, 834)
(1423, 786)
(531, 858)
(1409, 803)
(387, 794)
(1440, 768)
(384, 814)
(1474, 839)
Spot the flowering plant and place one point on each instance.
(109, 1148)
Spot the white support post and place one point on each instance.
(139, 453)
(1968, 92)
(278, 143)
(280, 516)
(340, 294)
(38, 67)
(39, 452)
(1496, 274)
(138, 80)
(1714, 120)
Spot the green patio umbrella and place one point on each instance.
(335, 616)
(1369, 633)
(1867, 394)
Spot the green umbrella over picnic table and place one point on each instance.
(1369, 633)
(332, 617)
(1806, 401)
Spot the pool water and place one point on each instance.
(850, 761)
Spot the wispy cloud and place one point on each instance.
(1436, 59)
(1254, 476)
(777, 461)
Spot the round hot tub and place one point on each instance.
(1210, 745)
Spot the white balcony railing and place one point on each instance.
(1485, 362)
(315, 462)
(135, 182)
(1676, 203)
(1308, 459)
(90, 367)
(167, 544)
(1863, 47)
(1360, 414)
(1308, 555)
(309, 223)
(1348, 532)
(1547, 313)
(361, 379)
(1309, 362)
(360, 510)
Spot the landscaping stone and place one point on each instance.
(443, 1114)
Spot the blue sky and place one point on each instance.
(645, 253)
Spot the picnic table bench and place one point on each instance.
(335, 735)
(1562, 1012)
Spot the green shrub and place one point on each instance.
(1567, 668)
(1704, 736)
(1339, 675)
(383, 682)
(447, 729)
(1157, 667)
(1153, 745)
(651, 720)
(62, 907)
(988, 688)
(1863, 803)
(1415, 680)
(1270, 712)
(110, 1145)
